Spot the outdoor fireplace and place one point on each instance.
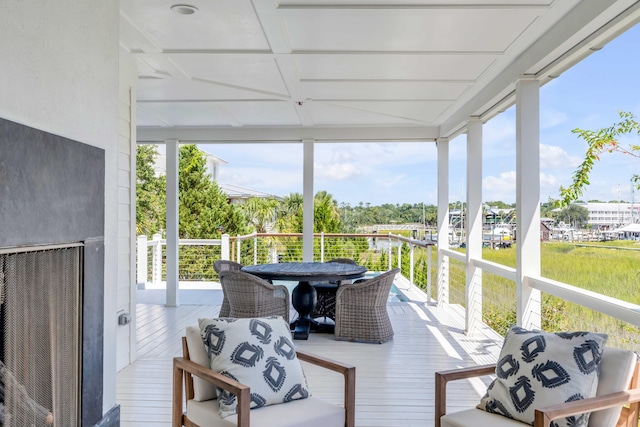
(40, 317)
(52, 267)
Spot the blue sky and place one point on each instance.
(588, 96)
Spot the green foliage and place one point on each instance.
(576, 215)
(365, 214)
(601, 141)
(204, 212)
(260, 212)
(150, 193)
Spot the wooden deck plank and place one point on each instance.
(395, 380)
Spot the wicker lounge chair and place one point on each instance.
(251, 296)
(223, 265)
(326, 294)
(361, 309)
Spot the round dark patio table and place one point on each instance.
(304, 295)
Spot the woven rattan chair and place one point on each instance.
(251, 296)
(224, 265)
(361, 309)
(326, 294)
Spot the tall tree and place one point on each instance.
(204, 211)
(150, 193)
(574, 215)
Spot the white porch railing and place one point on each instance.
(618, 318)
(196, 256)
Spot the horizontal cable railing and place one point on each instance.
(418, 263)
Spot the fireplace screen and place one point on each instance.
(40, 315)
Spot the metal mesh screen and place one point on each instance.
(41, 318)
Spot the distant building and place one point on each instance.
(235, 194)
(212, 165)
(611, 215)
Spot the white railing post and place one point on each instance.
(142, 262)
(156, 259)
(224, 247)
(399, 254)
(322, 247)
(411, 248)
(390, 252)
(238, 257)
(255, 250)
(429, 266)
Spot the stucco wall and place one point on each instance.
(59, 73)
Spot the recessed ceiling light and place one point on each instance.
(184, 9)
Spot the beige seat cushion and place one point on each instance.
(202, 389)
(310, 412)
(477, 418)
(616, 370)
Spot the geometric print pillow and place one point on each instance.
(258, 353)
(536, 369)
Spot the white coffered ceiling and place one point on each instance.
(330, 69)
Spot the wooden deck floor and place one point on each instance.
(395, 380)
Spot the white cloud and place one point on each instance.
(501, 188)
(554, 157)
(550, 118)
(337, 171)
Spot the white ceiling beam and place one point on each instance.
(578, 18)
(269, 134)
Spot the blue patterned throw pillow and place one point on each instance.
(536, 369)
(258, 353)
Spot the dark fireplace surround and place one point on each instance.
(52, 192)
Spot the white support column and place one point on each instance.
(473, 317)
(307, 200)
(172, 223)
(528, 300)
(443, 220)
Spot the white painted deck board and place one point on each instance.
(395, 380)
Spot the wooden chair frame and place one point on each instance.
(543, 416)
(184, 369)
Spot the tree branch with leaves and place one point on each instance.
(599, 142)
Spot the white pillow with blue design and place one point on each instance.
(536, 369)
(258, 353)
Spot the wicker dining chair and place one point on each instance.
(251, 296)
(326, 294)
(224, 265)
(361, 309)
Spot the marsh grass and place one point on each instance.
(595, 267)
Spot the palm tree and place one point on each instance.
(289, 216)
(326, 215)
(260, 212)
